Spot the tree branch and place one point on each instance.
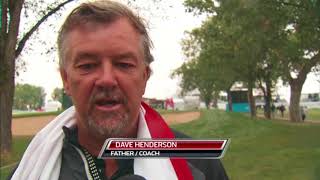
(262, 88)
(311, 63)
(35, 27)
(13, 30)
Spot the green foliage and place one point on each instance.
(28, 97)
(237, 35)
(257, 41)
(57, 94)
(205, 67)
(261, 149)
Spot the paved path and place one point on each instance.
(31, 125)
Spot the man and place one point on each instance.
(303, 113)
(282, 109)
(104, 52)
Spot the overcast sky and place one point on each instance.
(167, 27)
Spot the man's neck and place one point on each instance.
(91, 143)
(94, 145)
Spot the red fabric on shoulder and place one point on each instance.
(159, 129)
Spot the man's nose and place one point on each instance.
(106, 77)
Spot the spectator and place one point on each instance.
(282, 109)
(302, 113)
(273, 109)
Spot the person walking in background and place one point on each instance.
(282, 109)
(273, 110)
(303, 113)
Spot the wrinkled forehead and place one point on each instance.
(91, 28)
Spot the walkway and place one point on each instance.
(31, 125)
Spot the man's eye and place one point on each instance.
(125, 65)
(87, 67)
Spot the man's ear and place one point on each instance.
(64, 77)
(148, 72)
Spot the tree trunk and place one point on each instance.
(295, 88)
(251, 100)
(6, 100)
(8, 45)
(8, 53)
(215, 99)
(207, 102)
(268, 98)
(294, 108)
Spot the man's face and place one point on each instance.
(105, 74)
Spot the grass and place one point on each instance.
(261, 149)
(313, 114)
(163, 111)
(19, 144)
(34, 114)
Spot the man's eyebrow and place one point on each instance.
(85, 55)
(125, 55)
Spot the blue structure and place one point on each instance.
(239, 101)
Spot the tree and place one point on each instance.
(57, 94)
(272, 39)
(202, 71)
(194, 77)
(258, 34)
(28, 97)
(300, 48)
(10, 49)
(227, 39)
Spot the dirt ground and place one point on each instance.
(31, 125)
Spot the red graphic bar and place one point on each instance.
(172, 144)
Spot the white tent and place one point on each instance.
(52, 106)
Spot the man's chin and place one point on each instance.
(103, 132)
(112, 125)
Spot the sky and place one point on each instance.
(167, 27)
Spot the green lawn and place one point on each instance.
(313, 114)
(33, 114)
(261, 149)
(164, 111)
(20, 143)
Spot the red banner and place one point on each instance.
(128, 148)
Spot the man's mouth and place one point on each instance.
(108, 104)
